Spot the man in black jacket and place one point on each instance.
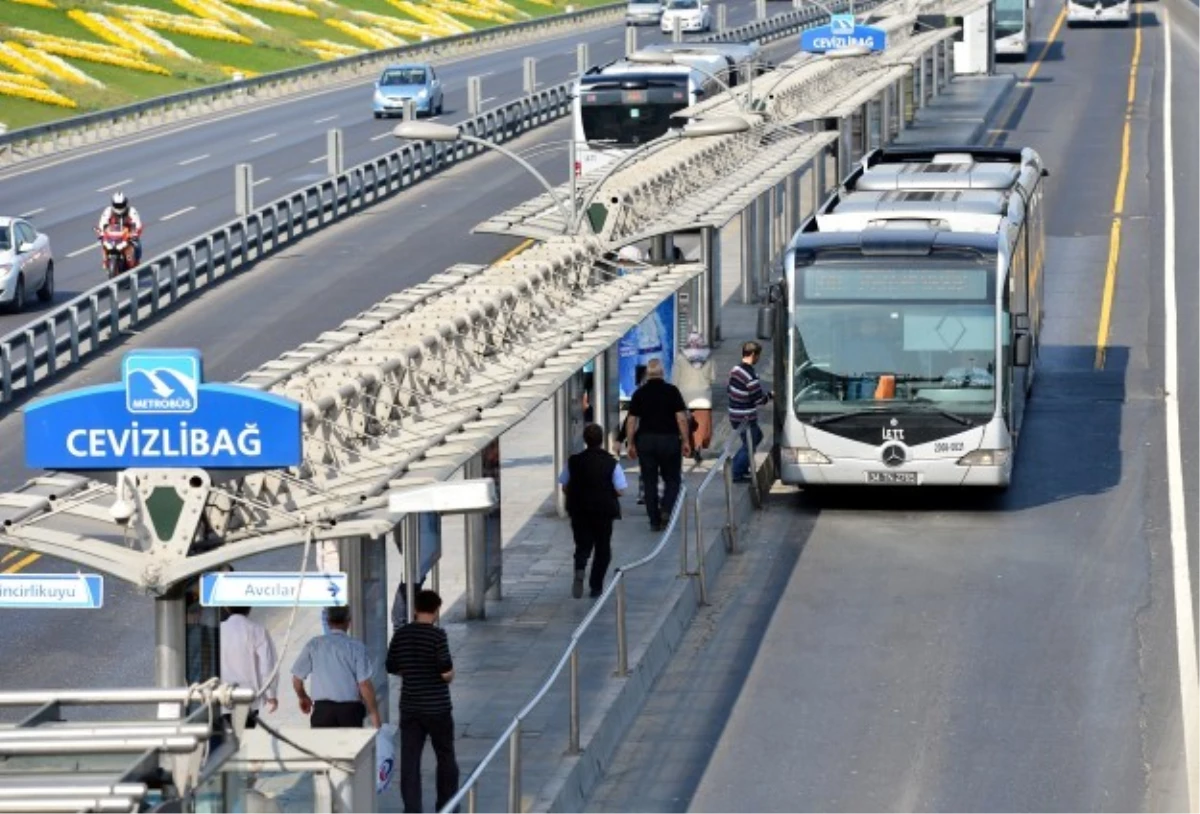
(593, 483)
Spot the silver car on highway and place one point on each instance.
(26, 263)
(643, 12)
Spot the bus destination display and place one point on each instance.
(835, 283)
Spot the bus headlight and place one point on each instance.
(984, 457)
(802, 455)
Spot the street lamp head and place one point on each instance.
(425, 131)
(715, 126)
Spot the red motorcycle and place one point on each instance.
(116, 241)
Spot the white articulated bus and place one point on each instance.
(623, 105)
(1014, 23)
(1099, 11)
(906, 326)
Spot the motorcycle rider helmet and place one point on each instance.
(120, 204)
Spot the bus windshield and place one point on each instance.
(901, 338)
(627, 112)
(1010, 17)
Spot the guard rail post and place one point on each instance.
(683, 541)
(335, 153)
(760, 9)
(573, 731)
(631, 38)
(730, 524)
(700, 564)
(530, 74)
(722, 11)
(243, 189)
(474, 95)
(410, 110)
(514, 767)
(622, 640)
(582, 62)
(677, 29)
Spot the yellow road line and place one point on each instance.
(10, 554)
(28, 559)
(1114, 235)
(514, 251)
(1031, 73)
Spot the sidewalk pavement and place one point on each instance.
(501, 661)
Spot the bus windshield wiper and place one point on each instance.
(930, 406)
(825, 419)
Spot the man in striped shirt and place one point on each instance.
(420, 654)
(746, 393)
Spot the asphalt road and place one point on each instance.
(182, 180)
(946, 652)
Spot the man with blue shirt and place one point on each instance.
(341, 692)
(593, 483)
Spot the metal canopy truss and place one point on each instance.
(48, 764)
(686, 184)
(404, 393)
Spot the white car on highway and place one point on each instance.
(693, 15)
(26, 263)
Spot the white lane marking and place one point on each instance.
(388, 134)
(317, 160)
(114, 186)
(613, 41)
(177, 213)
(193, 159)
(261, 181)
(489, 99)
(263, 138)
(326, 119)
(1189, 680)
(487, 73)
(78, 252)
(32, 212)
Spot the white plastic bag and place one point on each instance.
(385, 757)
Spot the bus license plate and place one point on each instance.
(903, 478)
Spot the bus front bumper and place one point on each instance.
(869, 472)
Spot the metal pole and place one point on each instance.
(412, 562)
(760, 9)
(475, 550)
(471, 801)
(514, 769)
(170, 638)
(722, 18)
(599, 395)
(571, 169)
(582, 62)
(683, 540)
(677, 29)
(335, 153)
(622, 641)
(562, 444)
(474, 95)
(747, 253)
(703, 308)
(530, 73)
(410, 110)
(763, 255)
(631, 40)
(573, 737)
(727, 476)
(243, 189)
(700, 566)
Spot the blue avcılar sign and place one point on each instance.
(843, 31)
(163, 415)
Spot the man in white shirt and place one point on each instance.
(248, 659)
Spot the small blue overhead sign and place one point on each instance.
(266, 589)
(843, 31)
(163, 415)
(55, 591)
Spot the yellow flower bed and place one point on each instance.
(12, 57)
(88, 51)
(440, 23)
(38, 3)
(328, 49)
(151, 38)
(374, 37)
(280, 6)
(46, 64)
(401, 28)
(126, 35)
(221, 13)
(44, 95)
(470, 11)
(229, 71)
(500, 7)
(22, 79)
(181, 24)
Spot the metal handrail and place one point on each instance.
(512, 733)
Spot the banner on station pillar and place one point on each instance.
(493, 536)
(653, 338)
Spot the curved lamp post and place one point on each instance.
(696, 128)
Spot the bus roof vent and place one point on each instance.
(908, 224)
(939, 175)
(953, 158)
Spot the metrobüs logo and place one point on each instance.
(161, 382)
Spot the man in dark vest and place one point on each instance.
(593, 483)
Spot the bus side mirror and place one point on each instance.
(1022, 349)
(766, 323)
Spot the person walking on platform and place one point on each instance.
(593, 483)
(657, 431)
(248, 659)
(342, 691)
(419, 654)
(746, 393)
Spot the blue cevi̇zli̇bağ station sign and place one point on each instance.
(163, 415)
(843, 31)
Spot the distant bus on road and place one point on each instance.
(1014, 23)
(906, 326)
(1098, 11)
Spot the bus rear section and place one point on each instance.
(906, 324)
(1013, 26)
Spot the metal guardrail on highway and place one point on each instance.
(64, 337)
(90, 128)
